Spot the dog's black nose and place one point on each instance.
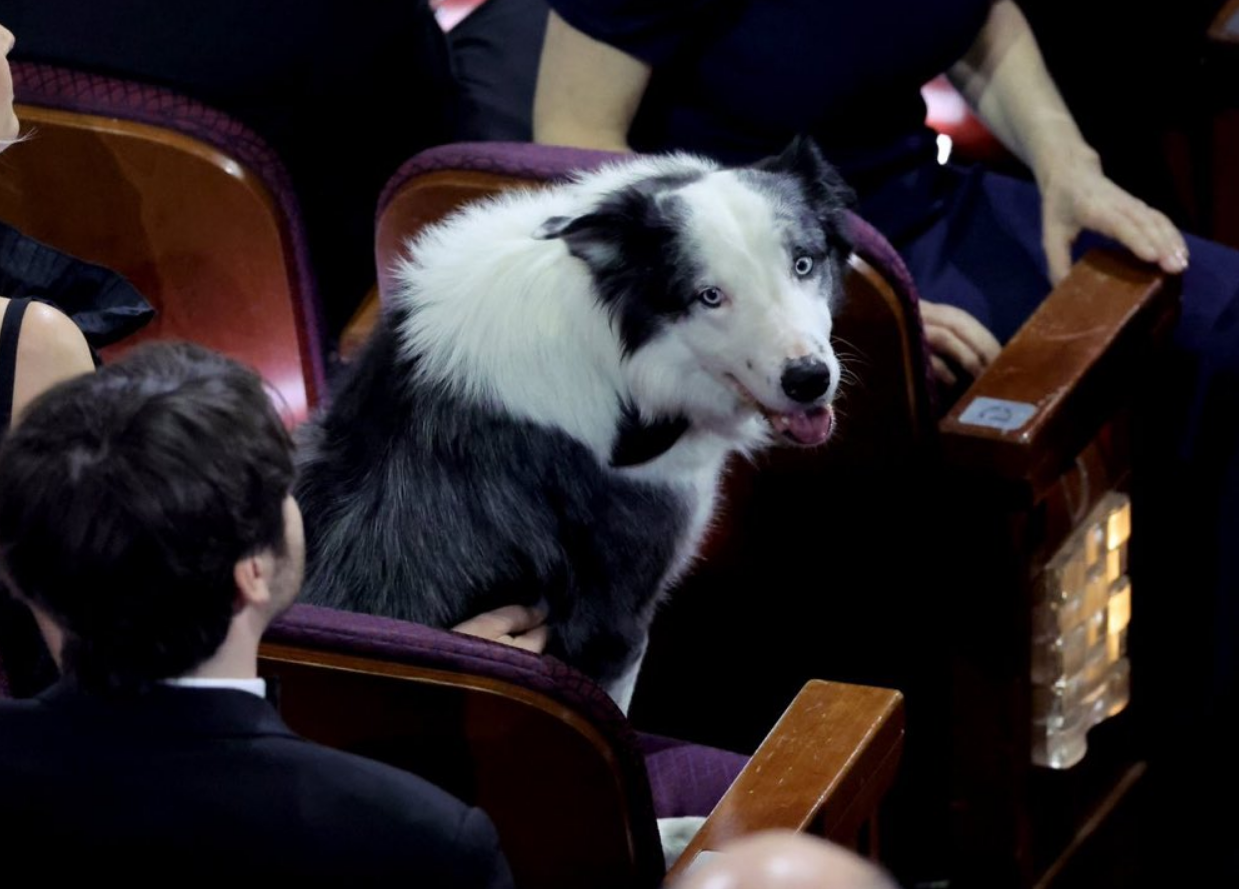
(805, 379)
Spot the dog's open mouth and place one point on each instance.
(807, 428)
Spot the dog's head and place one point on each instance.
(720, 284)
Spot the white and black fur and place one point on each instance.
(546, 406)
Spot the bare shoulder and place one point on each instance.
(51, 327)
(50, 349)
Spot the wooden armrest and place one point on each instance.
(824, 767)
(1225, 25)
(1063, 373)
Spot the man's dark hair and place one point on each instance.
(126, 499)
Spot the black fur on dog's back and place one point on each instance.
(421, 506)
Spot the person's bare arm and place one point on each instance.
(1004, 77)
(587, 92)
(50, 349)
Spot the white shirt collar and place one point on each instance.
(253, 686)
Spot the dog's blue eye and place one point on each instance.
(711, 296)
(803, 265)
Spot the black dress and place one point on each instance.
(107, 308)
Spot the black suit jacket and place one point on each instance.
(196, 783)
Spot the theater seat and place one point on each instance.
(191, 206)
(552, 760)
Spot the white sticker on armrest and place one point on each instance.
(997, 413)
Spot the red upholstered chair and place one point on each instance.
(191, 206)
(948, 114)
(550, 757)
(1217, 179)
(935, 554)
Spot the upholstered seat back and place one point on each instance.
(537, 745)
(190, 205)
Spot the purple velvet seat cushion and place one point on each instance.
(50, 86)
(687, 779)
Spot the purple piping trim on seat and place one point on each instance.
(64, 89)
(526, 160)
(872, 246)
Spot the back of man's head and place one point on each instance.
(128, 496)
(781, 859)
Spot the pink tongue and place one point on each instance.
(811, 427)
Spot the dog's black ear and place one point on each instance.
(597, 238)
(823, 185)
(553, 227)
(803, 159)
(593, 238)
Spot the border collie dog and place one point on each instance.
(546, 407)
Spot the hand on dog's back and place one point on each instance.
(514, 625)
